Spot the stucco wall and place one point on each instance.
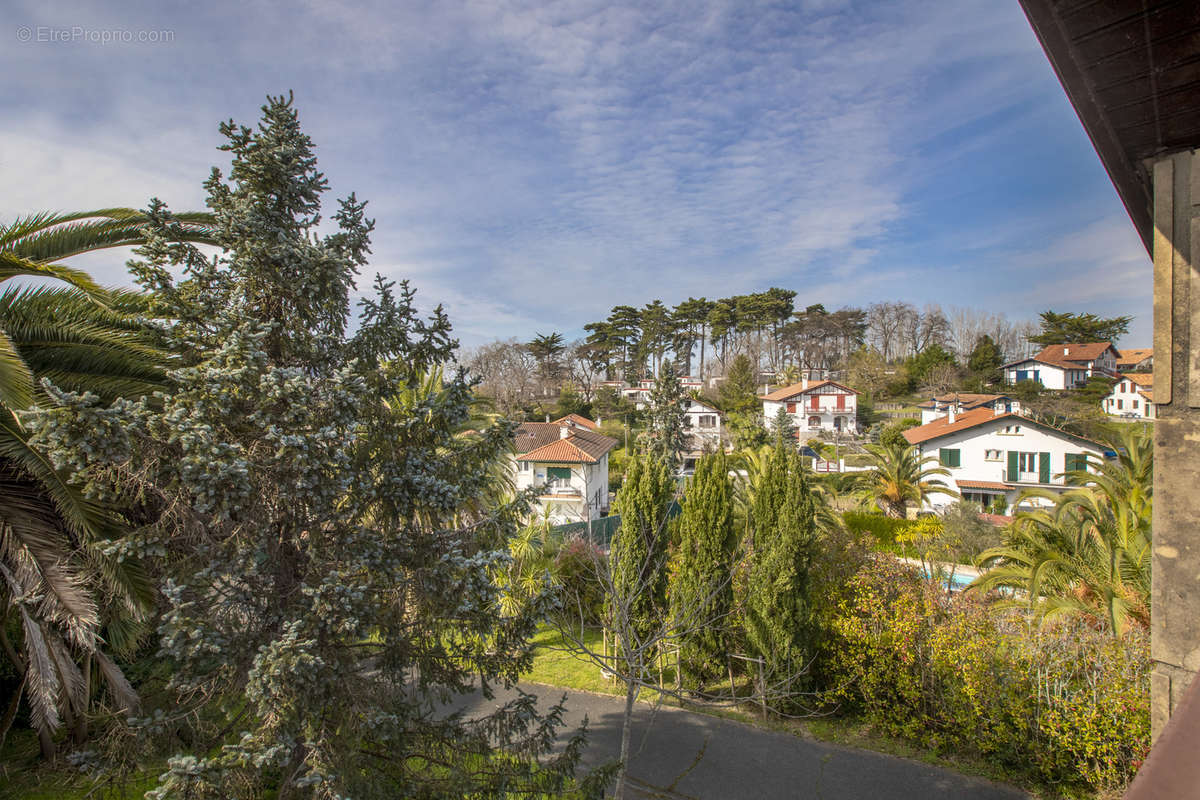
(975, 465)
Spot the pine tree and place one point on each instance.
(784, 427)
(326, 543)
(667, 416)
(701, 591)
(737, 391)
(985, 360)
(778, 621)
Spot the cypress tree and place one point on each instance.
(667, 416)
(639, 548)
(778, 620)
(701, 592)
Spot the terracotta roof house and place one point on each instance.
(939, 406)
(1132, 397)
(578, 420)
(993, 454)
(814, 406)
(1064, 366)
(568, 459)
(1137, 359)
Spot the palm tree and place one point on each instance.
(900, 476)
(32, 246)
(52, 560)
(1089, 553)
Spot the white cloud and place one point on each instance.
(533, 165)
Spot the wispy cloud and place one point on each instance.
(532, 165)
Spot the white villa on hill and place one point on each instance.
(639, 395)
(570, 457)
(815, 406)
(937, 407)
(1132, 397)
(992, 453)
(1064, 366)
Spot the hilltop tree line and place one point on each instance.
(887, 348)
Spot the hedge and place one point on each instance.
(956, 672)
(882, 528)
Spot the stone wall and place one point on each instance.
(1175, 626)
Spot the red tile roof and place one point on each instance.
(943, 426)
(797, 389)
(982, 485)
(1068, 356)
(536, 441)
(564, 450)
(979, 416)
(1134, 356)
(578, 420)
(967, 399)
(1142, 379)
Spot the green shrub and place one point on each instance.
(1067, 702)
(882, 529)
(576, 569)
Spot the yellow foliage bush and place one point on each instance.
(954, 672)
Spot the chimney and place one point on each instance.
(804, 382)
(564, 431)
(1066, 351)
(951, 408)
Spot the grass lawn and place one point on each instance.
(24, 777)
(554, 664)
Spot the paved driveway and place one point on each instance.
(681, 754)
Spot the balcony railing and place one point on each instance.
(562, 492)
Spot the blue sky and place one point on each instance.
(530, 165)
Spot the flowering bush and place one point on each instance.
(1069, 702)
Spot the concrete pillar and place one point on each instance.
(1175, 594)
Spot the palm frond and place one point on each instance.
(72, 685)
(41, 685)
(123, 693)
(16, 379)
(13, 265)
(28, 470)
(53, 237)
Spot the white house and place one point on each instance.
(569, 457)
(704, 426)
(1064, 366)
(1132, 397)
(815, 406)
(937, 407)
(992, 453)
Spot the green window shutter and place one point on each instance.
(561, 473)
(953, 457)
(944, 456)
(1012, 465)
(1044, 467)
